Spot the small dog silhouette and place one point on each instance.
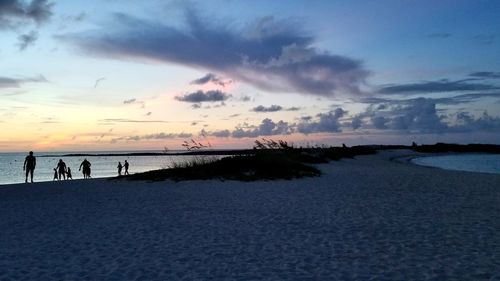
(55, 174)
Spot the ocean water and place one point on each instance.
(11, 164)
(484, 163)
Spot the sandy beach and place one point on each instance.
(364, 218)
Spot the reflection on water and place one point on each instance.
(11, 165)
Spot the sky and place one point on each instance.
(137, 75)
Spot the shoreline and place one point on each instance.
(402, 156)
(364, 218)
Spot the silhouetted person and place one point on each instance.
(119, 168)
(126, 167)
(29, 165)
(55, 175)
(68, 174)
(61, 168)
(86, 168)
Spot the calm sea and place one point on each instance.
(11, 164)
(485, 163)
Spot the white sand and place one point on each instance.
(368, 218)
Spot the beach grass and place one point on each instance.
(269, 160)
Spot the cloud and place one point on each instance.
(221, 134)
(467, 123)
(97, 81)
(465, 98)
(26, 40)
(272, 108)
(201, 96)
(379, 122)
(14, 13)
(158, 136)
(129, 101)
(306, 118)
(124, 120)
(356, 122)
(382, 103)
(328, 122)
(245, 98)
(135, 101)
(269, 54)
(414, 115)
(68, 19)
(438, 35)
(428, 87)
(212, 78)
(6, 82)
(484, 39)
(486, 74)
(266, 128)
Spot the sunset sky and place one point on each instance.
(121, 75)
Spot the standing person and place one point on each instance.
(68, 174)
(29, 165)
(119, 168)
(86, 168)
(126, 167)
(61, 168)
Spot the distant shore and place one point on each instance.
(187, 153)
(433, 148)
(365, 218)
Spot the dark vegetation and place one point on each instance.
(268, 160)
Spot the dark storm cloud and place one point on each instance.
(486, 74)
(428, 87)
(201, 96)
(269, 54)
(25, 40)
(16, 12)
(7, 82)
(272, 108)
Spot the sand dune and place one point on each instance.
(365, 218)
